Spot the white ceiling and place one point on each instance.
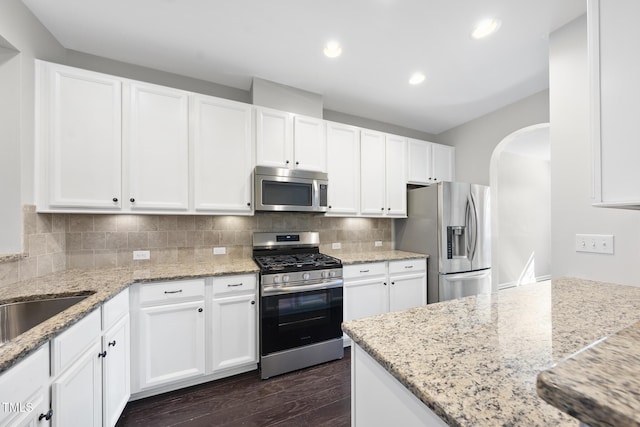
(384, 42)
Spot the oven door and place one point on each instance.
(300, 318)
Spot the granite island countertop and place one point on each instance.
(599, 385)
(474, 361)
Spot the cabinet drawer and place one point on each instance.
(23, 384)
(115, 309)
(407, 266)
(171, 291)
(237, 283)
(356, 271)
(69, 345)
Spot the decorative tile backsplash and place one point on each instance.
(55, 242)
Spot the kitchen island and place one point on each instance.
(474, 361)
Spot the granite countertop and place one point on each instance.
(599, 385)
(475, 361)
(375, 256)
(101, 285)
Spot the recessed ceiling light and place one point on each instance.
(485, 28)
(332, 49)
(416, 78)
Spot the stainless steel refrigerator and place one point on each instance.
(449, 221)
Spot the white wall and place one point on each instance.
(524, 212)
(571, 210)
(476, 140)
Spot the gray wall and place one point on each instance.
(571, 172)
(286, 98)
(476, 140)
(22, 32)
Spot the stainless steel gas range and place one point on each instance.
(300, 302)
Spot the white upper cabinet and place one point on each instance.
(156, 134)
(274, 138)
(343, 167)
(443, 163)
(429, 163)
(79, 129)
(396, 176)
(372, 173)
(382, 174)
(222, 155)
(310, 147)
(418, 161)
(287, 140)
(614, 43)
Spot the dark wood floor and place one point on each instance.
(317, 396)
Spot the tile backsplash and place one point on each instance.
(55, 242)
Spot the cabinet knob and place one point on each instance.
(286, 162)
(393, 283)
(132, 200)
(115, 199)
(248, 203)
(381, 209)
(46, 416)
(103, 354)
(388, 209)
(385, 283)
(253, 302)
(112, 344)
(199, 310)
(297, 163)
(329, 206)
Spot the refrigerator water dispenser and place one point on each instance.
(456, 242)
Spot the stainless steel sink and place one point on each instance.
(18, 317)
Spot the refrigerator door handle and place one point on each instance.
(467, 223)
(474, 232)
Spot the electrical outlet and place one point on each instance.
(377, 243)
(594, 243)
(219, 250)
(141, 255)
(336, 245)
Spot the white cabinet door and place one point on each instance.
(171, 343)
(372, 173)
(407, 291)
(364, 298)
(443, 162)
(24, 391)
(76, 395)
(418, 162)
(310, 146)
(156, 124)
(396, 174)
(274, 138)
(116, 371)
(79, 138)
(222, 155)
(233, 325)
(343, 149)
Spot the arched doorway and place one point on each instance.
(520, 207)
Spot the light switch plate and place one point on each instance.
(336, 245)
(378, 243)
(141, 255)
(220, 250)
(594, 243)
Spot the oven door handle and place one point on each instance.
(302, 288)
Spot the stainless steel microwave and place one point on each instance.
(279, 189)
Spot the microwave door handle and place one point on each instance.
(316, 194)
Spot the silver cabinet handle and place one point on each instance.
(364, 271)
(408, 266)
(234, 285)
(173, 292)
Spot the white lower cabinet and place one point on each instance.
(380, 287)
(24, 391)
(170, 340)
(187, 332)
(233, 322)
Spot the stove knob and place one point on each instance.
(276, 279)
(285, 278)
(325, 274)
(332, 274)
(305, 276)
